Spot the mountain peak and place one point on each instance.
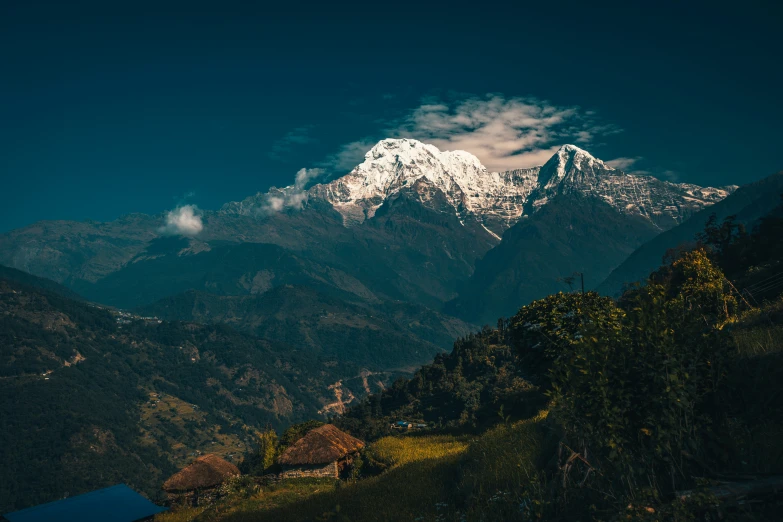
(570, 148)
(390, 147)
(575, 154)
(408, 151)
(566, 162)
(395, 163)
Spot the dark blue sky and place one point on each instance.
(119, 107)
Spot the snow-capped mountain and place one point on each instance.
(396, 163)
(499, 199)
(574, 171)
(495, 200)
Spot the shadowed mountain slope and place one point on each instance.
(570, 234)
(748, 203)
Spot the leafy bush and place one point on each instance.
(263, 458)
(631, 386)
(545, 329)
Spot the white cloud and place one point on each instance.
(184, 220)
(504, 133)
(349, 155)
(304, 176)
(284, 199)
(293, 197)
(629, 166)
(274, 204)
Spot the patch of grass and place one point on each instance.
(398, 451)
(759, 340)
(179, 515)
(277, 497)
(418, 483)
(501, 473)
(429, 478)
(752, 422)
(504, 457)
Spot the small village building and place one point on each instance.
(323, 452)
(115, 504)
(199, 481)
(405, 425)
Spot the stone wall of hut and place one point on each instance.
(328, 471)
(192, 498)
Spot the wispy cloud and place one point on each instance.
(184, 220)
(348, 156)
(624, 164)
(670, 175)
(305, 176)
(282, 147)
(630, 165)
(292, 197)
(504, 133)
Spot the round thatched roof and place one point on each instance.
(205, 472)
(320, 446)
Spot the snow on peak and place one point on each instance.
(579, 157)
(391, 147)
(569, 148)
(393, 164)
(568, 160)
(497, 200)
(406, 151)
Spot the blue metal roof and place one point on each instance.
(115, 504)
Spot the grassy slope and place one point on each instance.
(754, 414)
(431, 477)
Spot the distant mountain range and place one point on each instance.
(496, 200)
(382, 267)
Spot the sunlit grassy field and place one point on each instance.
(430, 477)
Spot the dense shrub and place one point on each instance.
(631, 389)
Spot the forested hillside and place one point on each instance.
(378, 337)
(89, 398)
(657, 406)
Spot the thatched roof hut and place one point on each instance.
(320, 446)
(206, 471)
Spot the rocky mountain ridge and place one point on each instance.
(496, 200)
